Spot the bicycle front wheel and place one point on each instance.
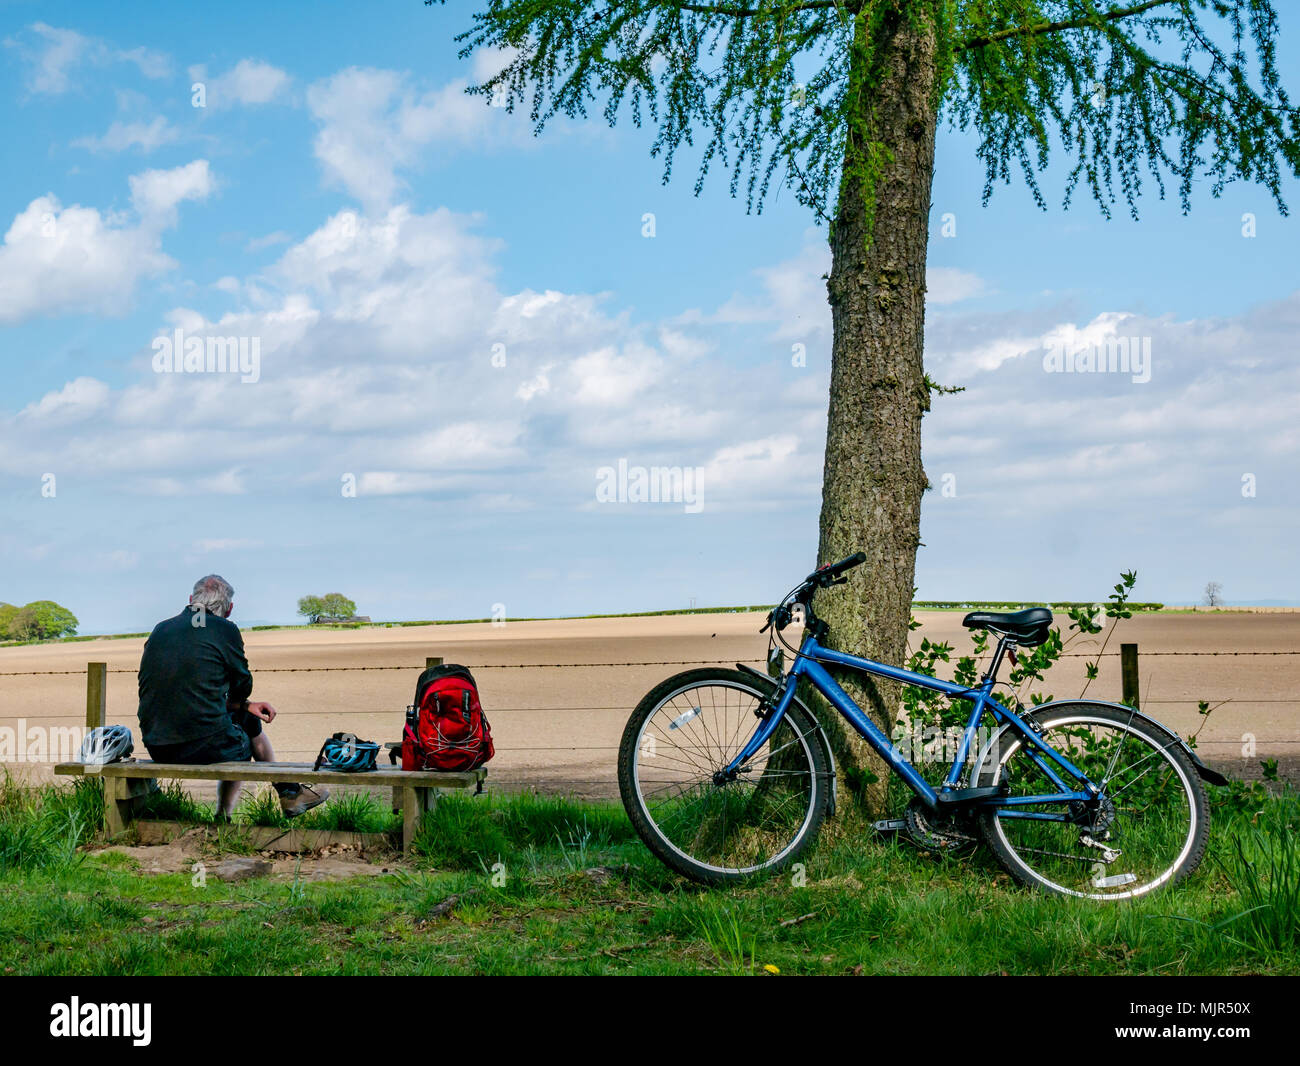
(683, 732)
(1146, 831)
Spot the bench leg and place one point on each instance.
(117, 806)
(416, 803)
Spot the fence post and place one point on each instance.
(1128, 671)
(432, 660)
(96, 694)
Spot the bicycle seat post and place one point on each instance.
(1005, 644)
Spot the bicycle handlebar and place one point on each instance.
(823, 577)
(827, 574)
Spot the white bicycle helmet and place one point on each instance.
(107, 743)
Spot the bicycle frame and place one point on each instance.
(808, 664)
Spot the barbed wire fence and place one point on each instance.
(390, 712)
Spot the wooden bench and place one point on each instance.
(415, 792)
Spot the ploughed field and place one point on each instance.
(557, 712)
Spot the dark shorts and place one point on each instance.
(231, 746)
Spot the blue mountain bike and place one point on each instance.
(727, 774)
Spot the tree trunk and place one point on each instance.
(871, 494)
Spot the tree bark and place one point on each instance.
(873, 480)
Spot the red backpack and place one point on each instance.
(446, 728)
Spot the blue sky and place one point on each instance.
(340, 200)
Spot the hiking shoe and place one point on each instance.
(303, 800)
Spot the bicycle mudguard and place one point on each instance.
(1205, 772)
(821, 731)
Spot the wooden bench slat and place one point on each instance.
(279, 771)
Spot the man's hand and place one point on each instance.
(263, 711)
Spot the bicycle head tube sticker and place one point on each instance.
(1117, 881)
(682, 719)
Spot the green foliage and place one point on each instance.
(930, 723)
(350, 812)
(171, 803)
(40, 829)
(1145, 89)
(732, 946)
(311, 607)
(473, 832)
(38, 620)
(262, 808)
(785, 90)
(338, 606)
(1263, 866)
(331, 605)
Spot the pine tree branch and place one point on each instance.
(1043, 28)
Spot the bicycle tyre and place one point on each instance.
(1161, 745)
(809, 781)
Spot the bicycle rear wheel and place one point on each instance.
(683, 732)
(1147, 831)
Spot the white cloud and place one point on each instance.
(269, 240)
(249, 83)
(794, 299)
(77, 399)
(74, 259)
(374, 123)
(120, 136)
(54, 54)
(154, 65)
(948, 285)
(607, 379)
(61, 52)
(156, 193)
(377, 336)
(226, 544)
(61, 259)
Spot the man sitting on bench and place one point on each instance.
(194, 689)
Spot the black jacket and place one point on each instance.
(188, 674)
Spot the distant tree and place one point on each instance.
(338, 606)
(7, 612)
(1213, 594)
(311, 607)
(41, 620)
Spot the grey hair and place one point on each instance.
(214, 594)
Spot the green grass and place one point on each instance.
(550, 885)
(171, 803)
(352, 812)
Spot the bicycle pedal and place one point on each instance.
(889, 826)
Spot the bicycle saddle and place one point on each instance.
(1028, 627)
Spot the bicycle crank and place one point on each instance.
(935, 833)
